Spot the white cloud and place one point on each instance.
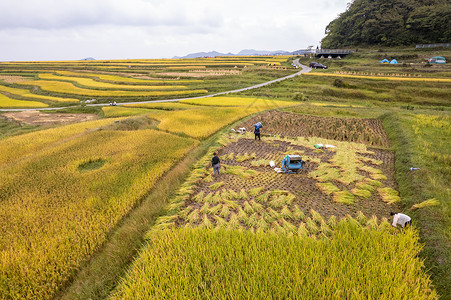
(108, 29)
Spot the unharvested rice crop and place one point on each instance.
(229, 264)
(91, 83)
(7, 102)
(240, 101)
(202, 122)
(18, 148)
(28, 94)
(199, 123)
(164, 105)
(119, 79)
(59, 203)
(69, 88)
(121, 111)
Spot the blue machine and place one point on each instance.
(292, 164)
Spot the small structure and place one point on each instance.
(332, 53)
(394, 62)
(384, 61)
(437, 60)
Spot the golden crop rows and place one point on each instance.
(28, 94)
(203, 119)
(56, 210)
(88, 83)
(200, 263)
(10, 103)
(251, 103)
(69, 88)
(284, 254)
(116, 78)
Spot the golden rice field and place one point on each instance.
(205, 116)
(70, 88)
(54, 82)
(252, 102)
(357, 263)
(63, 189)
(27, 94)
(91, 83)
(116, 78)
(61, 197)
(163, 105)
(250, 233)
(203, 122)
(14, 103)
(17, 148)
(250, 243)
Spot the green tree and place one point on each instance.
(390, 23)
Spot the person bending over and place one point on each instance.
(401, 219)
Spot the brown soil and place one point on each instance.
(308, 195)
(34, 117)
(12, 79)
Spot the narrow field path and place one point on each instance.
(304, 69)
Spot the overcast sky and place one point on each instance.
(121, 29)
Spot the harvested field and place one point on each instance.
(34, 117)
(13, 78)
(367, 131)
(250, 194)
(198, 74)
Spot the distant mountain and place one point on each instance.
(251, 52)
(246, 52)
(205, 54)
(88, 58)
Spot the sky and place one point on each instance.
(37, 30)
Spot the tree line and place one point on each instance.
(390, 23)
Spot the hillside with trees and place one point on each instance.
(390, 23)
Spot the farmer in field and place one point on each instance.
(257, 130)
(401, 219)
(215, 163)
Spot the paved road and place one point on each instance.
(304, 69)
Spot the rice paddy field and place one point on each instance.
(67, 83)
(125, 205)
(247, 232)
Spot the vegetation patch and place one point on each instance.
(135, 123)
(91, 164)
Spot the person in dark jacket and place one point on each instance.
(257, 130)
(215, 163)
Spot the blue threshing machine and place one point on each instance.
(292, 164)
